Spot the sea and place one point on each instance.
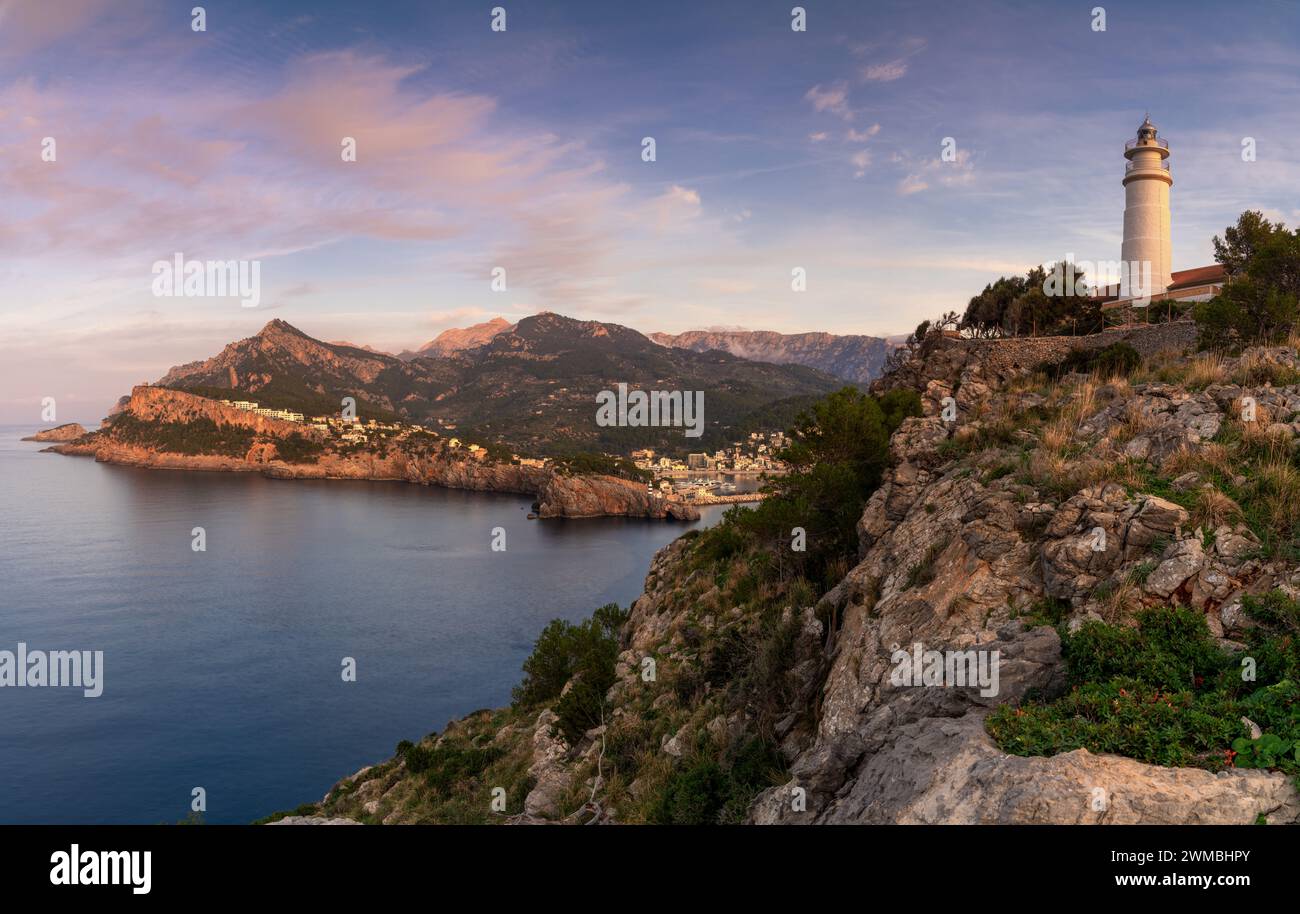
(227, 670)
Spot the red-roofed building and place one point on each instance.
(1197, 284)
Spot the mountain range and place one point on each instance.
(855, 358)
(531, 386)
(859, 359)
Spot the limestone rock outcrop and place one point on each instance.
(947, 771)
(69, 431)
(600, 496)
(952, 559)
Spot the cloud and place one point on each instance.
(861, 161)
(432, 168)
(895, 65)
(30, 25)
(885, 72)
(958, 172)
(819, 137)
(834, 99)
(861, 136)
(912, 184)
(675, 208)
(299, 290)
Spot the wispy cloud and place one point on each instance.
(938, 172)
(861, 136)
(834, 99)
(885, 72)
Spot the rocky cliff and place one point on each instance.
(599, 496)
(158, 407)
(994, 545)
(1043, 509)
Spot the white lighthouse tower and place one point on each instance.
(1146, 211)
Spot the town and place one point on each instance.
(727, 475)
(357, 431)
(702, 477)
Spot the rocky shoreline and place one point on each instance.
(557, 494)
(69, 431)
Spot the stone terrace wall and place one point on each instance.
(948, 359)
(1030, 352)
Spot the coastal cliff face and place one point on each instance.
(160, 404)
(67, 432)
(982, 537)
(597, 496)
(558, 495)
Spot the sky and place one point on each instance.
(522, 149)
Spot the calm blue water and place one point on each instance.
(222, 669)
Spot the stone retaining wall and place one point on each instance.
(1029, 352)
(949, 358)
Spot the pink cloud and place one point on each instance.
(223, 176)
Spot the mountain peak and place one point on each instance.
(278, 327)
(457, 339)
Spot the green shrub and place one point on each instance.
(1267, 751)
(588, 463)
(712, 792)
(837, 454)
(584, 653)
(1171, 649)
(418, 759)
(1165, 693)
(198, 436)
(1047, 611)
(299, 448)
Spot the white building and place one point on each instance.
(1146, 247)
(1147, 180)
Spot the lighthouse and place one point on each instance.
(1146, 212)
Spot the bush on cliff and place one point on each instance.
(299, 448)
(1245, 312)
(1040, 303)
(198, 436)
(584, 463)
(584, 652)
(713, 791)
(837, 454)
(746, 670)
(1165, 693)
